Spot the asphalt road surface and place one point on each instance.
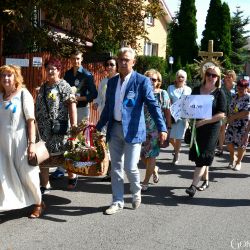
(217, 218)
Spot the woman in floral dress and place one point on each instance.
(238, 121)
(151, 148)
(55, 100)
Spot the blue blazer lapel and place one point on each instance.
(113, 82)
(131, 81)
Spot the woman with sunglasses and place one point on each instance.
(178, 128)
(207, 130)
(238, 120)
(111, 69)
(151, 148)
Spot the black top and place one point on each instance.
(84, 82)
(207, 135)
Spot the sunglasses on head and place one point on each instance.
(210, 74)
(109, 64)
(153, 79)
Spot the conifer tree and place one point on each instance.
(213, 26)
(183, 34)
(188, 49)
(226, 44)
(239, 40)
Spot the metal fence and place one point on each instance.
(34, 76)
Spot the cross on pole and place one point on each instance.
(210, 54)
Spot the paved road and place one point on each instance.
(217, 218)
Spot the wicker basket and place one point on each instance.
(53, 161)
(89, 168)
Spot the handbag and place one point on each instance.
(187, 136)
(58, 127)
(41, 152)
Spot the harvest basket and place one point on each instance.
(87, 153)
(53, 161)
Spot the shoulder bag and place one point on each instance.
(41, 152)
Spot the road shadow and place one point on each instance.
(165, 196)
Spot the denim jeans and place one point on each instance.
(124, 157)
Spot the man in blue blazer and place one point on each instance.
(124, 115)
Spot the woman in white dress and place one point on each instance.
(111, 69)
(19, 182)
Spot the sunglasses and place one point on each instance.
(109, 64)
(210, 74)
(153, 79)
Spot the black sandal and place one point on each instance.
(204, 186)
(72, 183)
(191, 190)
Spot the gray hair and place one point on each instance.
(182, 72)
(127, 49)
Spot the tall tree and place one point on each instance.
(226, 44)
(183, 33)
(187, 32)
(239, 40)
(106, 23)
(213, 26)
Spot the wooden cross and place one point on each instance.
(210, 53)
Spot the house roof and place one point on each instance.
(168, 17)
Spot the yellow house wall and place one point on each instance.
(156, 34)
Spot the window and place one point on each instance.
(151, 49)
(150, 19)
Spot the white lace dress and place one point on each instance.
(19, 182)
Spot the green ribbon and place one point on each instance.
(193, 138)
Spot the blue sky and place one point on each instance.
(202, 7)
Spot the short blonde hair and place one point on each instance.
(218, 72)
(16, 71)
(151, 72)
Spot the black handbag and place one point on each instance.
(172, 119)
(58, 127)
(187, 136)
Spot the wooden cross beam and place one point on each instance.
(210, 53)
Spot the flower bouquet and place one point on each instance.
(86, 151)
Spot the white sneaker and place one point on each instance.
(176, 159)
(114, 208)
(238, 167)
(136, 200)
